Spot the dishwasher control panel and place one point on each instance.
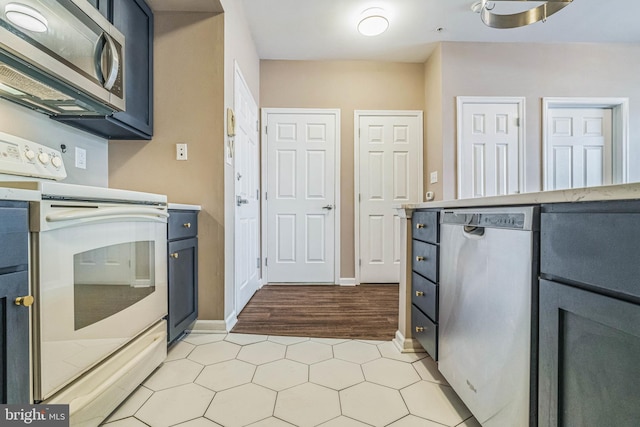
(510, 218)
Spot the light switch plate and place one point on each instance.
(181, 151)
(81, 158)
(434, 177)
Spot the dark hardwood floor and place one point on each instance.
(363, 312)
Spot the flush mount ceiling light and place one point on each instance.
(520, 19)
(26, 17)
(373, 22)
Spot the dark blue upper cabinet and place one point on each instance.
(134, 19)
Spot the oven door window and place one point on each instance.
(109, 279)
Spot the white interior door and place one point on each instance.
(489, 140)
(247, 175)
(301, 196)
(389, 174)
(579, 148)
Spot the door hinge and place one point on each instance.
(360, 262)
(266, 130)
(266, 262)
(258, 262)
(257, 125)
(265, 195)
(257, 194)
(359, 197)
(517, 121)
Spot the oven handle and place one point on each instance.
(107, 213)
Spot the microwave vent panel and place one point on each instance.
(26, 84)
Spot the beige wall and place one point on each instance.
(349, 86)
(189, 108)
(433, 122)
(535, 71)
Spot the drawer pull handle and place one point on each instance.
(420, 258)
(25, 301)
(419, 226)
(419, 293)
(175, 255)
(187, 225)
(419, 329)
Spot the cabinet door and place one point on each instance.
(183, 285)
(102, 6)
(134, 19)
(589, 347)
(14, 338)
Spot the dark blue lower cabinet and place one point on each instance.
(589, 358)
(14, 304)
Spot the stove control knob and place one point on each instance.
(56, 161)
(29, 154)
(44, 158)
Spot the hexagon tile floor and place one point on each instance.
(229, 380)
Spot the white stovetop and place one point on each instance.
(608, 192)
(74, 191)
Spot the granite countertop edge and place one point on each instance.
(609, 192)
(183, 207)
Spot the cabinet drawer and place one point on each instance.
(425, 226)
(182, 224)
(425, 259)
(424, 295)
(425, 331)
(596, 248)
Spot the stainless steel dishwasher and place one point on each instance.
(488, 311)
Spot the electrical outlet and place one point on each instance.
(81, 158)
(181, 151)
(434, 177)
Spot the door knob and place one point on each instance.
(175, 255)
(240, 201)
(419, 226)
(420, 258)
(26, 301)
(419, 329)
(419, 293)
(187, 225)
(328, 207)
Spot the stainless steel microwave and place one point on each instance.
(61, 57)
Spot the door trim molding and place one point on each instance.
(520, 102)
(619, 127)
(238, 78)
(356, 168)
(264, 166)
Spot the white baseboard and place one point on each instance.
(347, 281)
(407, 345)
(231, 320)
(209, 327)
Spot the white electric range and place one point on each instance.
(98, 271)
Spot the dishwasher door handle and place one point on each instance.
(473, 230)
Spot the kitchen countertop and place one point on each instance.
(608, 192)
(183, 207)
(19, 194)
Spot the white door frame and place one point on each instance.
(265, 202)
(620, 130)
(356, 163)
(520, 101)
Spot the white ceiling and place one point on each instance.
(326, 29)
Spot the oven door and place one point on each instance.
(101, 279)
